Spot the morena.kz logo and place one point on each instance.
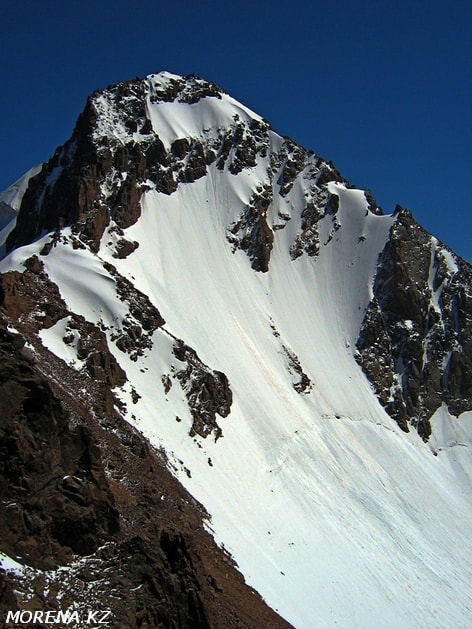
(52, 617)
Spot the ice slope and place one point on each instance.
(331, 512)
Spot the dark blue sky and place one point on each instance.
(382, 88)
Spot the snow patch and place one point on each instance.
(11, 565)
(13, 195)
(62, 341)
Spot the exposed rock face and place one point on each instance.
(319, 202)
(251, 233)
(141, 320)
(30, 297)
(101, 492)
(76, 487)
(98, 487)
(59, 503)
(66, 188)
(207, 391)
(86, 183)
(303, 383)
(94, 181)
(7, 213)
(189, 89)
(416, 340)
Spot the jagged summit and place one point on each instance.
(298, 355)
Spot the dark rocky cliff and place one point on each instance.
(415, 344)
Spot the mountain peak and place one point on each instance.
(188, 89)
(130, 111)
(146, 138)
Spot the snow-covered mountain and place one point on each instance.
(303, 360)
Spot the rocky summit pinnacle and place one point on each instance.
(215, 336)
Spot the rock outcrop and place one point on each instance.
(208, 392)
(87, 503)
(416, 339)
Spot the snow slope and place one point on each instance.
(331, 512)
(13, 195)
(10, 201)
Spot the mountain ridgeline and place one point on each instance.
(415, 342)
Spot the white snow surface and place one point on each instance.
(10, 565)
(53, 339)
(331, 512)
(13, 195)
(175, 120)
